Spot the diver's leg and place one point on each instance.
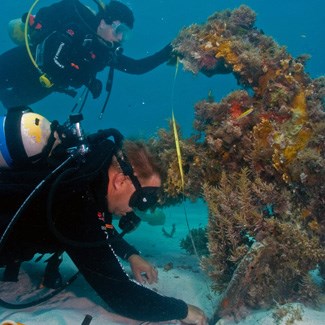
(11, 271)
(19, 79)
(52, 277)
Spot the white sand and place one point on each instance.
(184, 280)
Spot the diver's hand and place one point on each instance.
(195, 316)
(173, 56)
(142, 270)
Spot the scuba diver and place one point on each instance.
(59, 190)
(65, 47)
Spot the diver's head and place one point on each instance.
(115, 22)
(116, 10)
(135, 178)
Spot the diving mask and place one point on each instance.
(144, 197)
(121, 31)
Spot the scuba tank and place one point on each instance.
(25, 138)
(16, 30)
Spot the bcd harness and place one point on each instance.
(33, 25)
(77, 157)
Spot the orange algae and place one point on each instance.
(297, 133)
(314, 226)
(225, 51)
(299, 110)
(263, 81)
(262, 132)
(290, 152)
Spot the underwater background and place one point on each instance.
(141, 105)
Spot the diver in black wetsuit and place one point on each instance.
(72, 213)
(69, 45)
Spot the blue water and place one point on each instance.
(140, 105)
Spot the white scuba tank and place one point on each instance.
(16, 31)
(22, 138)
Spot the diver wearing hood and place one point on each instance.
(69, 45)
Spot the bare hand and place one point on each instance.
(195, 316)
(142, 270)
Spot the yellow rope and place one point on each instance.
(177, 143)
(44, 79)
(178, 151)
(181, 171)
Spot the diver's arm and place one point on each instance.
(102, 270)
(121, 247)
(133, 66)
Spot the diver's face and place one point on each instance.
(120, 190)
(111, 33)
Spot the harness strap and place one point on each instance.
(3, 143)
(109, 85)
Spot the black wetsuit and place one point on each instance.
(71, 56)
(74, 208)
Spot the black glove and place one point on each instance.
(172, 55)
(95, 86)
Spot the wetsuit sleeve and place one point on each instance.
(19, 79)
(102, 270)
(122, 248)
(133, 66)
